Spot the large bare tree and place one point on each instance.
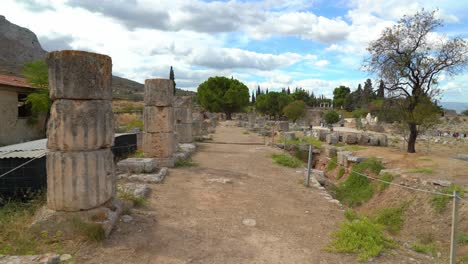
(410, 57)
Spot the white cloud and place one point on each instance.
(322, 63)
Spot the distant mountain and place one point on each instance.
(457, 106)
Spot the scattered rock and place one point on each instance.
(249, 222)
(148, 178)
(65, 257)
(139, 190)
(127, 218)
(443, 183)
(49, 258)
(219, 180)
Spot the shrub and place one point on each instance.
(287, 160)
(331, 117)
(359, 113)
(361, 236)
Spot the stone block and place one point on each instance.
(80, 125)
(342, 158)
(159, 92)
(184, 133)
(137, 165)
(331, 138)
(350, 138)
(196, 128)
(330, 152)
(183, 115)
(79, 180)
(158, 145)
(283, 126)
(158, 119)
(373, 140)
(383, 141)
(363, 139)
(182, 101)
(79, 75)
(289, 136)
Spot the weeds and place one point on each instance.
(138, 154)
(422, 170)
(392, 218)
(90, 231)
(287, 160)
(304, 141)
(439, 202)
(462, 239)
(341, 172)
(128, 195)
(15, 236)
(185, 163)
(385, 177)
(357, 188)
(246, 132)
(332, 164)
(353, 148)
(360, 235)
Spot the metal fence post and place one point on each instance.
(309, 161)
(454, 238)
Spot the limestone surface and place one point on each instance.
(184, 133)
(159, 92)
(158, 119)
(80, 125)
(79, 75)
(158, 145)
(137, 165)
(79, 180)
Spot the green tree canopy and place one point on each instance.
(331, 117)
(221, 94)
(339, 95)
(295, 110)
(37, 75)
(272, 103)
(465, 112)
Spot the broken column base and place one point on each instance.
(101, 220)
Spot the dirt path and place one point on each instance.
(193, 218)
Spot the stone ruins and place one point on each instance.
(80, 167)
(158, 118)
(183, 118)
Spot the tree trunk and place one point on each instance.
(412, 138)
(228, 116)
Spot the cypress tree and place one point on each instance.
(171, 77)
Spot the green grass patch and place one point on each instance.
(138, 154)
(391, 218)
(332, 164)
(422, 170)
(439, 202)
(362, 236)
(185, 163)
(462, 239)
(15, 236)
(89, 231)
(424, 159)
(385, 177)
(425, 248)
(341, 173)
(246, 132)
(126, 195)
(317, 144)
(358, 189)
(287, 160)
(339, 145)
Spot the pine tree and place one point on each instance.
(381, 90)
(171, 77)
(267, 91)
(288, 91)
(253, 98)
(259, 92)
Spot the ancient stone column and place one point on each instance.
(80, 166)
(158, 119)
(183, 118)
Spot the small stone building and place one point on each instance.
(14, 112)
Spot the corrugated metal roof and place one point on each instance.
(30, 149)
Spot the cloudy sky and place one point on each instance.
(314, 44)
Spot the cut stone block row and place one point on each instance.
(158, 119)
(137, 165)
(183, 115)
(182, 101)
(79, 180)
(158, 145)
(80, 125)
(79, 75)
(159, 92)
(184, 133)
